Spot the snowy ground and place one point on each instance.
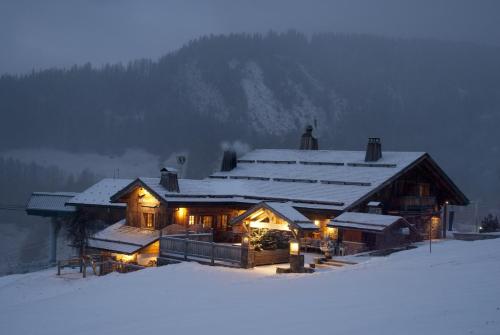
(454, 290)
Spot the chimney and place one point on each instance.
(168, 180)
(373, 150)
(229, 161)
(307, 141)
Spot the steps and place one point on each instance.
(324, 263)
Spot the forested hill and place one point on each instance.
(427, 95)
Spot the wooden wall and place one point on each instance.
(139, 202)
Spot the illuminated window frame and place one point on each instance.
(149, 220)
(207, 221)
(224, 220)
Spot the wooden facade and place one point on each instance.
(418, 196)
(355, 241)
(414, 195)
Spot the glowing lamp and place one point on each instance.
(181, 212)
(294, 248)
(316, 223)
(245, 240)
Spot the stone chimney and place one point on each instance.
(169, 180)
(373, 150)
(229, 160)
(308, 141)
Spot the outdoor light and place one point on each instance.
(245, 240)
(316, 222)
(181, 212)
(294, 248)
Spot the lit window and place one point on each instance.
(191, 220)
(223, 221)
(207, 221)
(149, 220)
(332, 233)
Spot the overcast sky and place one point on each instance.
(43, 33)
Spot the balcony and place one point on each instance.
(416, 203)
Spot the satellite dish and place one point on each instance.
(181, 160)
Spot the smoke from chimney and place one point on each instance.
(229, 160)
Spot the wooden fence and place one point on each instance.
(99, 266)
(187, 247)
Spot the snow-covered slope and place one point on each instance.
(454, 290)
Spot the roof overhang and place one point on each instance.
(50, 204)
(122, 238)
(373, 223)
(114, 246)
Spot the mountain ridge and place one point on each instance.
(421, 95)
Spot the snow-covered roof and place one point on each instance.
(291, 214)
(100, 193)
(122, 238)
(245, 191)
(50, 203)
(285, 210)
(364, 221)
(323, 179)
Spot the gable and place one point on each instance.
(132, 187)
(427, 167)
(284, 211)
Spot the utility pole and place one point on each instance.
(476, 203)
(445, 218)
(430, 236)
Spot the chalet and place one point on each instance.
(355, 200)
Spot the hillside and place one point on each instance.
(436, 96)
(454, 290)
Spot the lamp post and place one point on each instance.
(247, 255)
(296, 259)
(294, 248)
(445, 218)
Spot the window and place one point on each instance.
(207, 221)
(224, 219)
(191, 220)
(149, 220)
(424, 189)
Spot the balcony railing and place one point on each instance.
(409, 203)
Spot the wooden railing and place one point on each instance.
(190, 249)
(193, 236)
(416, 202)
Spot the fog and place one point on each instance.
(422, 75)
(39, 34)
